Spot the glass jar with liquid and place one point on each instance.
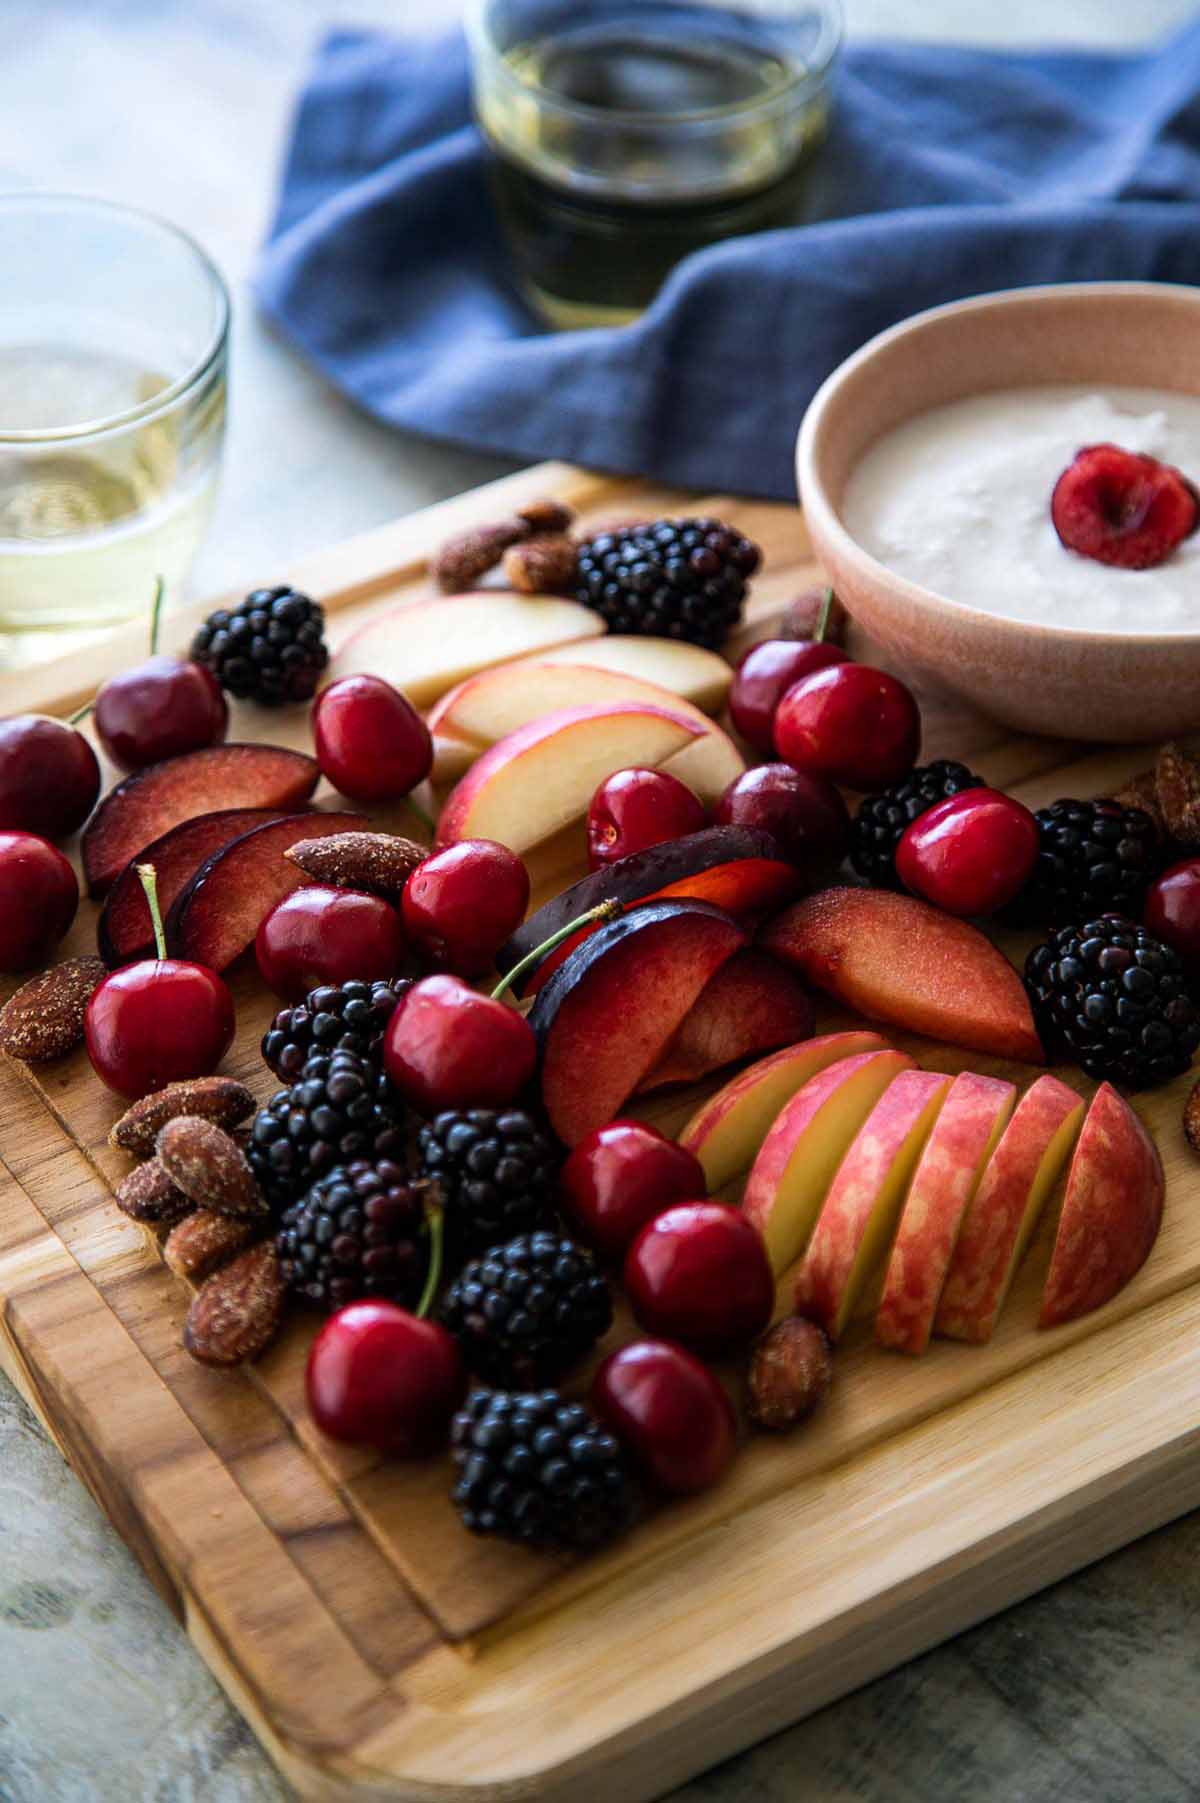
(625, 134)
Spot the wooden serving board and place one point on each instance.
(377, 1649)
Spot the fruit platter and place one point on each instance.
(585, 1167)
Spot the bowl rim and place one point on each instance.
(815, 501)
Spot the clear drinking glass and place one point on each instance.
(113, 345)
(625, 134)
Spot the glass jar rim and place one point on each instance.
(829, 13)
(192, 376)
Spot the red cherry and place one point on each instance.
(446, 1046)
(371, 742)
(379, 1376)
(158, 710)
(971, 854)
(805, 815)
(670, 1411)
(620, 1177)
(1122, 507)
(853, 724)
(700, 1273)
(462, 903)
(763, 677)
(49, 777)
(38, 898)
(156, 1022)
(1173, 910)
(634, 809)
(317, 935)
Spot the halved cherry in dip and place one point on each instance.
(1122, 508)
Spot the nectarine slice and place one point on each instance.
(1111, 1214)
(606, 1015)
(855, 1227)
(797, 1161)
(897, 960)
(726, 1133)
(752, 1005)
(1002, 1217)
(972, 1118)
(701, 677)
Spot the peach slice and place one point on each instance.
(855, 1227)
(800, 1155)
(606, 1015)
(1111, 1215)
(726, 1133)
(700, 676)
(753, 1005)
(1002, 1218)
(536, 781)
(897, 960)
(973, 1116)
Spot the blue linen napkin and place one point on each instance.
(948, 172)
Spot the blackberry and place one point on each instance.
(526, 1312)
(1094, 857)
(343, 1017)
(358, 1232)
(882, 820)
(340, 1109)
(270, 649)
(1116, 999)
(498, 1172)
(675, 579)
(535, 1468)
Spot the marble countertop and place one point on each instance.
(1086, 1691)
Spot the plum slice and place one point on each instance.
(751, 1006)
(151, 801)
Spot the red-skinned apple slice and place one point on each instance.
(855, 1226)
(726, 1133)
(799, 1157)
(973, 1116)
(1007, 1206)
(604, 1018)
(217, 916)
(151, 801)
(753, 1005)
(897, 960)
(124, 931)
(1111, 1214)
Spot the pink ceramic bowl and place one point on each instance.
(1061, 681)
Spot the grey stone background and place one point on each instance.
(1087, 1693)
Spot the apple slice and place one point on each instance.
(897, 960)
(799, 1157)
(425, 647)
(124, 932)
(726, 1133)
(1002, 1218)
(151, 801)
(536, 781)
(1111, 1215)
(605, 1017)
(736, 868)
(972, 1119)
(855, 1227)
(699, 676)
(751, 1006)
(215, 918)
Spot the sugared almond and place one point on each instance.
(221, 1100)
(209, 1167)
(469, 555)
(204, 1242)
(237, 1312)
(790, 1374)
(1191, 1119)
(44, 1018)
(1177, 782)
(380, 863)
(149, 1196)
(544, 565)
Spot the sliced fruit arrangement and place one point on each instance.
(751, 1005)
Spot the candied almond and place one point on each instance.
(542, 566)
(379, 863)
(545, 515)
(221, 1100)
(203, 1242)
(237, 1312)
(790, 1373)
(210, 1167)
(44, 1017)
(1191, 1119)
(1177, 781)
(148, 1195)
(469, 555)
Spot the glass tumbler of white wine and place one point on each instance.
(114, 332)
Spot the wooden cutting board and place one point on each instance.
(377, 1649)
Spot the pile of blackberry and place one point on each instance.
(675, 579)
(341, 1108)
(527, 1311)
(497, 1171)
(1094, 857)
(537, 1469)
(270, 649)
(343, 1017)
(882, 820)
(359, 1232)
(1116, 999)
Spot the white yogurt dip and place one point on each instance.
(958, 500)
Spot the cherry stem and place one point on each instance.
(149, 881)
(414, 807)
(822, 626)
(435, 1221)
(81, 713)
(160, 589)
(607, 910)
